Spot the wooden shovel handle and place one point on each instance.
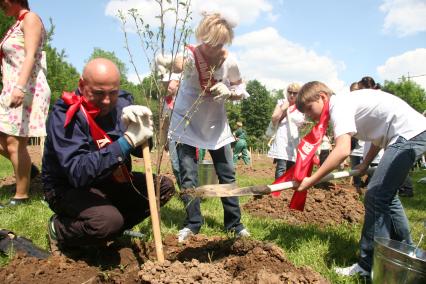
(152, 203)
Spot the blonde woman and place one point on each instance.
(25, 97)
(210, 78)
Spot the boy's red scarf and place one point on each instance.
(10, 31)
(204, 72)
(121, 174)
(305, 159)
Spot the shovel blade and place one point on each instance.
(226, 190)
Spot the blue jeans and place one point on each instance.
(174, 159)
(384, 214)
(222, 160)
(282, 166)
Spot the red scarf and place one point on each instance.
(10, 31)
(204, 72)
(121, 174)
(305, 159)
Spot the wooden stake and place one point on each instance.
(152, 203)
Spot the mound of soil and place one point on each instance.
(331, 204)
(200, 260)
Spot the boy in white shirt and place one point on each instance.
(390, 123)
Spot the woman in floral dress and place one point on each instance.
(25, 97)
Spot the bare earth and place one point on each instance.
(201, 259)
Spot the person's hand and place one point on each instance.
(220, 91)
(139, 131)
(285, 105)
(163, 63)
(304, 185)
(362, 168)
(132, 112)
(16, 98)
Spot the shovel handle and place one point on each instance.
(152, 203)
(330, 176)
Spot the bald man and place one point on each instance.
(86, 171)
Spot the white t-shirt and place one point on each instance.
(198, 120)
(287, 137)
(376, 116)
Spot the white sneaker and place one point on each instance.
(352, 270)
(243, 234)
(184, 234)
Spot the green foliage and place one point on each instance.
(5, 24)
(100, 53)
(256, 112)
(409, 91)
(233, 111)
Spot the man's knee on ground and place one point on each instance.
(107, 222)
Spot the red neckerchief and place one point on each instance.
(305, 159)
(169, 101)
(121, 174)
(204, 72)
(10, 31)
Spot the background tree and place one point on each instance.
(256, 112)
(100, 53)
(409, 91)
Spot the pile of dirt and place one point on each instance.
(219, 260)
(200, 260)
(331, 204)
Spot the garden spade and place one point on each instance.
(228, 190)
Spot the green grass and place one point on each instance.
(320, 248)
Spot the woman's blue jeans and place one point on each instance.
(384, 214)
(223, 164)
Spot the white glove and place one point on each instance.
(220, 92)
(132, 112)
(163, 63)
(139, 131)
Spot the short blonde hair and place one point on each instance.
(214, 30)
(293, 87)
(311, 92)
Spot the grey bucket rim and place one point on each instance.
(387, 240)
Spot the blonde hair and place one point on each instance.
(293, 87)
(214, 30)
(354, 86)
(311, 92)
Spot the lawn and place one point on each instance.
(321, 248)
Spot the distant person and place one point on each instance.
(324, 149)
(171, 83)
(240, 148)
(25, 97)
(287, 120)
(366, 116)
(210, 78)
(357, 150)
(87, 169)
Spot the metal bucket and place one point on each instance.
(396, 262)
(206, 173)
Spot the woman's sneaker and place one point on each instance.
(184, 234)
(352, 270)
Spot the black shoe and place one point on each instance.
(15, 202)
(51, 234)
(34, 171)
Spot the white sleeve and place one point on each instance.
(234, 74)
(342, 117)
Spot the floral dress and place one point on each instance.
(29, 119)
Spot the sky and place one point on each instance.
(276, 41)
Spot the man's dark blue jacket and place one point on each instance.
(71, 160)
